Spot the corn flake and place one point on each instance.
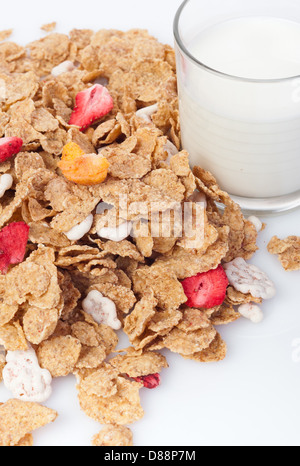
(18, 418)
(116, 436)
(122, 408)
(288, 251)
(135, 364)
(59, 355)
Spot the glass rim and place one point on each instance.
(200, 64)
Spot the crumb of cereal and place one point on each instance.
(19, 418)
(5, 34)
(49, 27)
(288, 251)
(115, 436)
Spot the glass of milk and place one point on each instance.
(238, 65)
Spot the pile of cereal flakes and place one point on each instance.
(69, 279)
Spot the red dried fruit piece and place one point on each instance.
(91, 105)
(13, 241)
(206, 290)
(9, 147)
(149, 381)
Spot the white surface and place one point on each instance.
(252, 398)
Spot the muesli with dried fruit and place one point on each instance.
(103, 226)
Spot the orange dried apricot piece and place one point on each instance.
(71, 151)
(90, 169)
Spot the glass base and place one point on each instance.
(269, 206)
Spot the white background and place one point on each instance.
(252, 398)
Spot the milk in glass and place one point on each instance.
(243, 121)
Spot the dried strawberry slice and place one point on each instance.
(9, 147)
(149, 381)
(91, 105)
(13, 241)
(206, 290)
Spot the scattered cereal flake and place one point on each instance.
(102, 382)
(25, 379)
(81, 37)
(12, 337)
(91, 357)
(189, 343)
(248, 278)
(106, 133)
(237, 298)
(184, 263)
(113, 436)
(135, 364)
(163, 321)
(179, 164)
(49, 52)
(39, 324)
(252, 312)
(71, 294)
(49, 27)
(108, 336)
(27, 281)
(193, 319)
(166, 181)
(59, 355)
(44, 258)
(7, 312)
(5, 34)
(216, 352)
(18, 418)
(19, 87)
(136, 323)
(42, 233)
(224, 315)
(149, 78)
(139, 196)
(85, 333)
(126, 159)
(43, 121)
(26, 161)
(167, 289)
(122, 248)
(288, 251)
(102, 309)
(122, 408)
(26, 441)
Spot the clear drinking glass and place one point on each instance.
(246, 131)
